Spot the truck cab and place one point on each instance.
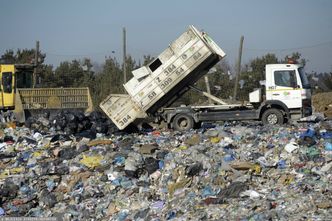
(287, 89)
(289, 84)
(284, 97)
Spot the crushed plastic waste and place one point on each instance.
(75, 167)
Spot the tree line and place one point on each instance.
(108, 78)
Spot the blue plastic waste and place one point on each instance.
(119, 160)
(171, 215)
(309, 133)
(328, 146)
(207, 191)
(161, 164)
(326, 135)
(281, 164)
(126, 183)
(2, 212)
(50, 185)
(116, 181)
(25, 189)
(158, 205)
(229, 157)
(122, 215)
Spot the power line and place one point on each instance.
(79, 55)
(289, 49)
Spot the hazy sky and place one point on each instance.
(69, 29)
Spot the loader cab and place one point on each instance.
(7, 87)
(24, 76)
(13, 77)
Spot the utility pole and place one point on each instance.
(238, 69)
(35, 65)
(124, 57)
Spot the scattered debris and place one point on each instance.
(240, 171)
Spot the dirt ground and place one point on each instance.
(322, 102)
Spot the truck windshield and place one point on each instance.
(304, 79)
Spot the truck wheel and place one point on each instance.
(182, 122)
(272, 116)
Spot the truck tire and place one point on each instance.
(272, 116)
(183, 122)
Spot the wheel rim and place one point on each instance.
(183, 122)
(272, 119)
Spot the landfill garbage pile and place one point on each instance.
(219, 172)
(322, 102)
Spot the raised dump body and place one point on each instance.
(161, 82)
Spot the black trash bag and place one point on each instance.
(233, 190)
(97, 116)
(307, 141)
(83, 125)
(194, 169)
(151, 165)
(22, 210)
(67, 153)
(112, 129)
(161, 154)
(60, 137)
(132, 174)
(100, 127)
(48, 199)
(91, 134)
(29, 122)
(142, 214)
(8, 139)
(9, 189)
(5, 155)
(70, 117)
(62, 170)
(83, 148)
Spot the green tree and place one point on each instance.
(108, 81)
(147, 59)
(25, 56)
(46, 77)
(8, 57)
(296, 57)
(222, 82)
(253, 74)
(258, 64)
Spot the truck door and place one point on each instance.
(7, 87)
(287, 88)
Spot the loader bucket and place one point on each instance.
(39, 100)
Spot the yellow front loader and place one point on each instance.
(22, 101)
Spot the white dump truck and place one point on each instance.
(285, 95)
